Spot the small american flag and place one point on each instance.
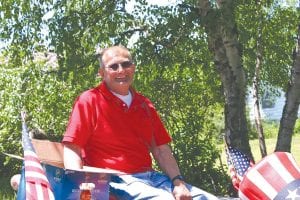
(34, 184)
(238, 164)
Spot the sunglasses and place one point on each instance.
(124, 65)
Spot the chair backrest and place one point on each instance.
(49, 152)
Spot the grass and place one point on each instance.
(6, 191)
(271, 143)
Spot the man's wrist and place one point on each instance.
(177, 178)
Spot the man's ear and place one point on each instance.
(101, 72)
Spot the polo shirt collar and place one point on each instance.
(108, 94)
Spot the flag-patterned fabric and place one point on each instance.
(277, 176)
(238, 164)
(34, 184)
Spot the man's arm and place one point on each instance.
(72, 156)
(163, 155)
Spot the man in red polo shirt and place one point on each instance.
(113, 126)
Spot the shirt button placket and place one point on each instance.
(125, 107)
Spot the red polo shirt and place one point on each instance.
(113, 135)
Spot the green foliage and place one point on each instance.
(177, 71)
(279, 28)
(7, 196)
(35, 88)
(192, 119)
(297, 127)
(174, 69)
(6, 171)
(270, 129)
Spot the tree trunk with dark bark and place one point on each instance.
(223, 43)
(290, 110)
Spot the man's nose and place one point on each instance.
(120, 68)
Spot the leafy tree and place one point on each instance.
(290, 110)
(46, 101)
(75, 30)
(194, 59)
(177, 72)
(222, 35)
(277, 41)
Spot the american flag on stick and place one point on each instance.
(238, 164)
(34, 184)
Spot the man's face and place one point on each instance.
(118, 70)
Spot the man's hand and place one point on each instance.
(163, 155)
(180, 191)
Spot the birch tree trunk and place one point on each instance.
(290, 110)
(256, 86)
(223, 43)
(257, 113)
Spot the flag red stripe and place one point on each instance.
(45, 191)
(250, 190)
(31, 158)
(32, 181)
(271, 176)
(36, 190)
(290, 168)
(35, 174)
(37, 186)
(31, 194)
(234, 178)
